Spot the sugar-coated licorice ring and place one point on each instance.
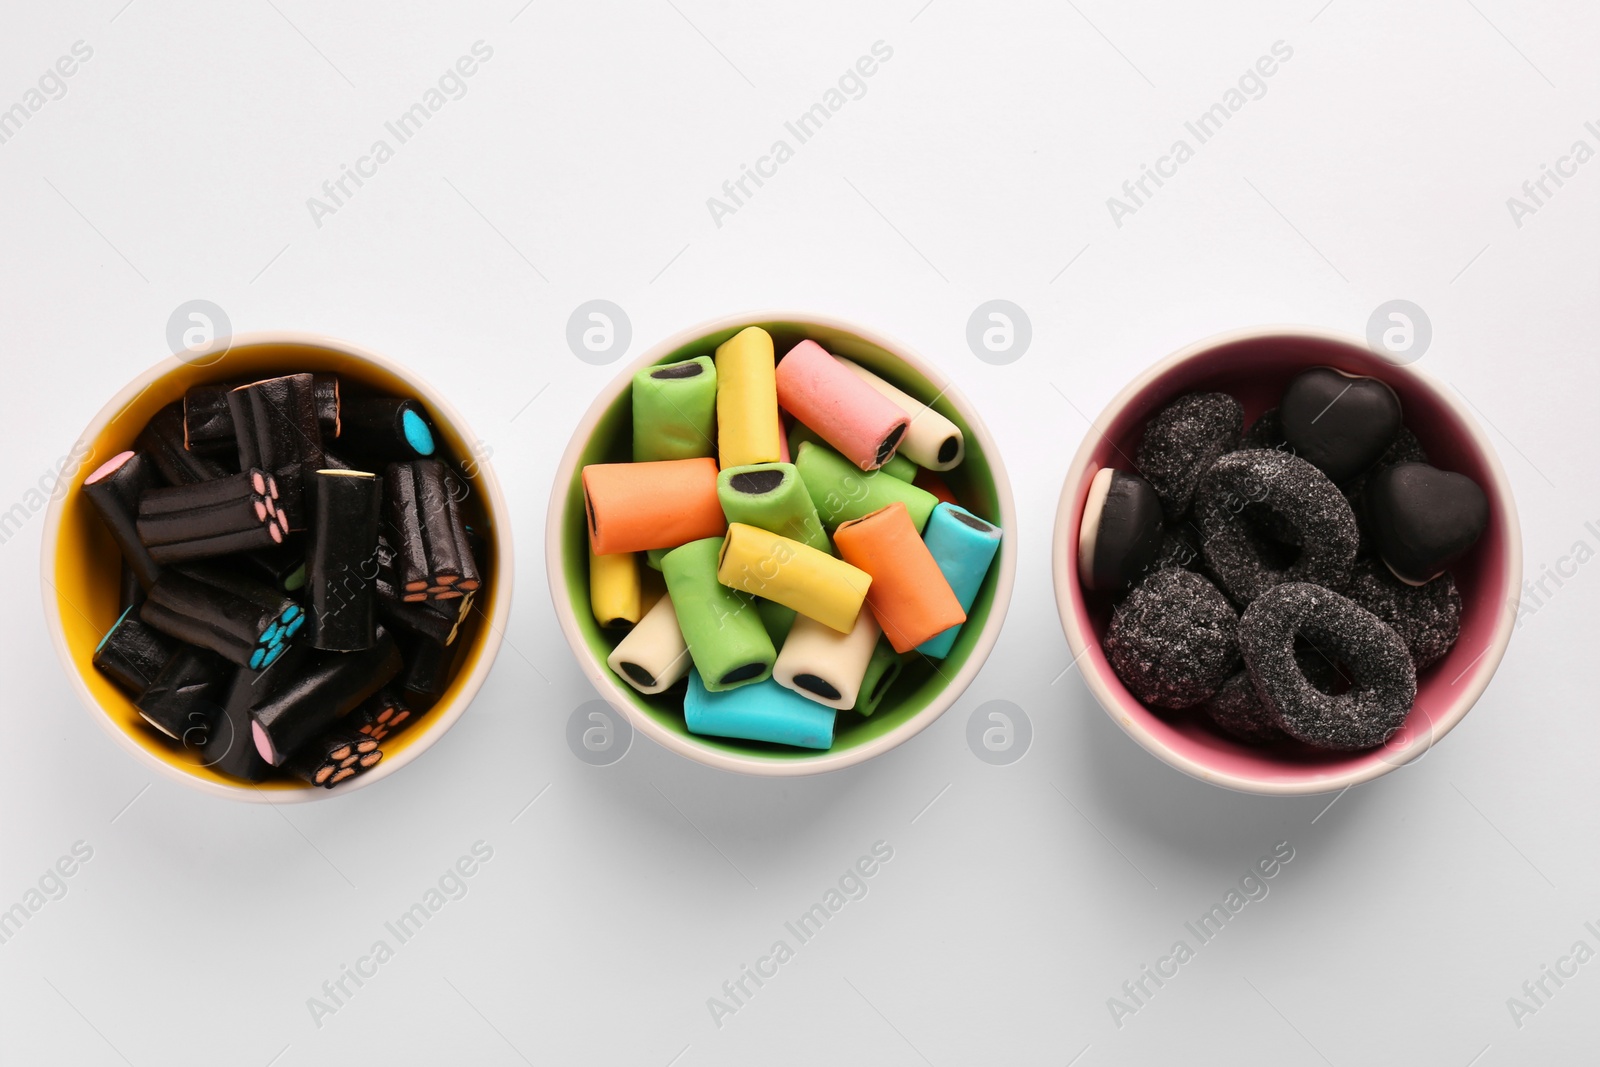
(1181, 442)
(1174, 640)
(1383, 679)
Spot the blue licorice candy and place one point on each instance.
(963, 546)
(761, 711)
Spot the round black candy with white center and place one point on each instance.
(1120, 535)
(1376, 660)
(1173, 641)
(1422, 519)
(1269, 517)
(1340, 423)
(1427, 617)
(1182, 440)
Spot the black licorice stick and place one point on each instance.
(133, 652)
(218, 609)
(208, 419)
(229, 747)
(386, 428)
(130, 593)
(385, 713)
(232, 514)
(341, 748)
(162, 440)
(283, 566)
(341, 558)
(186, 697)
(331, 685)
(114, 491)
(427, 666)
(433, 558)
(275, 426)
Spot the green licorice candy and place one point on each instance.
(776, 618)
(843, 492)
(722, 627)
(675, 411)
(900, 467)
(653, 557)
(882, 670)
(772, 497)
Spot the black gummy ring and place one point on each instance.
(1383, 680)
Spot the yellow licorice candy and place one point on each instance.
(747, 399)
(614, 590)
(780, 569)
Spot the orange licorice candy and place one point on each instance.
(633, 507)
(909, 595)
(934, 484)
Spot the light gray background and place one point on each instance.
(976, 166)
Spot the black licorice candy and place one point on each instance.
(387, 428)
(208, 418)
(281, 566)
(186, 696)
(162, 440)
(330, 686)
(235, 513)
(133, 652)
(342, 558)
(432, 554)
(385, 713)
(275, 426)
(130, 592)
(427, 665)
(234, 616)
(114, 490)
(339, 754)
(229, 747)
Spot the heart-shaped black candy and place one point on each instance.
(1339, 423)
(1423, 518)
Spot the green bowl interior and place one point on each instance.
(922, 679)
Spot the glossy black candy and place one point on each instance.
(1422, 519)
(1339, 423)
(1118, 549)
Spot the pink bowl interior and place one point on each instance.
(1256, 370)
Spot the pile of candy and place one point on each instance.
(798, 571)
(1290, 580)
(286, 608)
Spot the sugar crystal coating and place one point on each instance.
(1173, 641)
(1183, 440)
(1427, 617)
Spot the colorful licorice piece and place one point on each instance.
(1120, 535)
(774, 567)
(861, 423)
(931, 440)
(386, 428)
(765, 711)
(614, 589)
(229, 747)
(432, 554)
(675, 411)
(133, 652)
(237, 618)
(114, 490)
(883, 669)
(799, 433)
(842, 493)
(336, 756)
(963, 546)
(747, 399)
(235, 513)
(208, 419)
(384, 714)
(778, 620)
(773, 497)
(341, 559)
(328, 687)
(162, 440)
(721, 626)
(275, 426)
(186, 696)
(898, 466)
(633, 507)
(653, 657)
(909, 596)
(932, 484)
(824, 665)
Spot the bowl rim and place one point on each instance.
(440, 719)
(1068, 595)
(687, 745)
